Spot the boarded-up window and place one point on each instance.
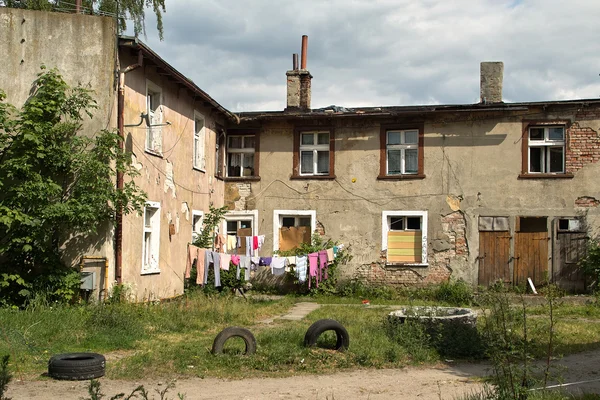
(292, 237)
(404, 247)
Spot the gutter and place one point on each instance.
(120, 177)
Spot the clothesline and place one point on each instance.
(317, 264)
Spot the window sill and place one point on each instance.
(401, 265)
(546, 176)
(150, 272)
(154, 153)
(219, 177)
(311, 177)
(400, 177)
(199, 169)
(241, 178)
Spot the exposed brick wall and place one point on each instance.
(587, 202)
(583, 147)
(236, 196)
(588, 113)
(454, 234)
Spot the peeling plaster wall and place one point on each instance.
(82, 48)
(472, 167)
(169, 179)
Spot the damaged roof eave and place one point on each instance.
(134, 43)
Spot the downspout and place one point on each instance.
(120, 176)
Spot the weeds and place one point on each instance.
(5, 377)
(95, 393)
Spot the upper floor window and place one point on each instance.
(402, 152)
(546, 149)
(199, 142)
(240, 155)
(154, 109)
(314, 153)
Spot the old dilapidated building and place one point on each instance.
(483, 192)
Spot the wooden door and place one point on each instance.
(531, 257)
(494, 257)
(570, 248)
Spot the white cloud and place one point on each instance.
(386, 52)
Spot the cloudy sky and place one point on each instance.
(382, 52)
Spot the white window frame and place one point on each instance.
(242, 152)
(403, 146)
(199, 155)
(315, 148)
(154, 230)
(248, 215)
(278, 222)
(196, 233)
(154, 118)
(545, 145)
(385, 228)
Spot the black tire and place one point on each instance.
(77, 366)
(234, 331)
(322, 325)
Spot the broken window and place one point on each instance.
(197, 217)
(154, 109)
(293, 230)
(532, 224)
(546, 149)
(151, 243)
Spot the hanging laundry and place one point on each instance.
(219, 243)
(301, 268)
(245, 265)
(254, 263)
(254, 242)
(313, 268)
(323, 264)
(261, 241)
(200, 263)
(212, 257)
(235, 259)
(225, 260)
(265, 261)
(330, 255)
(278, 265)
(248, 246)
(194, 253)
(231, 243)
(291, 260)
(336, 250)
(239, 242)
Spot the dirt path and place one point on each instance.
(431, 383)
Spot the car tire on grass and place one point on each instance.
(77, 366)
(234, 331)
(322, 325)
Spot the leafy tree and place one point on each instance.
(55, 184)
(124, 9)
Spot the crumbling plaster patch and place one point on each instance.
(587, 202)
(169, 179)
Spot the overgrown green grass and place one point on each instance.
(172, 339)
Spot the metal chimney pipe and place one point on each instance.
(295, 61)
(304, 49)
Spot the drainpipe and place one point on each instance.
(120, 177)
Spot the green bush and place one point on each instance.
(590, 265)
(454, 292)
(359, 289)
